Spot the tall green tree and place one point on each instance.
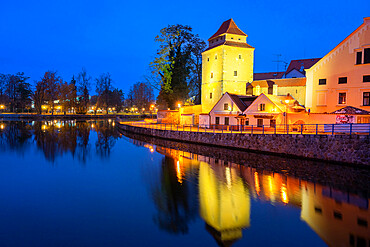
(83, 87)
(173, 65)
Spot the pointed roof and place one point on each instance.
(302, 64)
(230, 27)
(241, 101)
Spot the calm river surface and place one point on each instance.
(68, 183)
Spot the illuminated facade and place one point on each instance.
(227, 64)
(342, 77)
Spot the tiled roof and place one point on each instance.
(351, 110)
(302, 64)
(285, 82)
(268, 75)
(228, 26)
(231, 43)
(242, 101)
(279, 101)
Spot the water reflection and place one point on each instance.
(225, 191)
(56, 138)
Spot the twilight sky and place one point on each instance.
(118, 36)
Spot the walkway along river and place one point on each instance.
(340, 148)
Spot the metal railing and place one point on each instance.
(311, 129)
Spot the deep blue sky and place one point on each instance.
(118, 36)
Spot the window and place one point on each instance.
(342, 80)
(211, 74)
(207, 59)
(232, 38)
(247, 121)
(226, 120)
(359, 57)
(259, 122)
(250, 90)
(367, 55)
(216, 57)
(270, 90)
(261, 107)
(217, 120)
(342, 98)
(361, 222)
(366, 78)
(318, 210)
(235, 73)
(226, 106)
(366, 99)
(240, 56)
(337, 215)
(322, 81)
(210, 95)
(272, 123)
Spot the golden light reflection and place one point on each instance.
(228, 177)
(284, 193)
(179, 172)
(92, 126)
(257, 183)
(271, 188)
(2, 126)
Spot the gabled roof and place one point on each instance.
(301, 64)
(351, 110)
(279, 102)
(231, 43)
(241, 101)
(230, 27)
(268, 75)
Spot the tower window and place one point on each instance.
(210, 95)
(207, 59)
(235, 73)
(342, 98)
(240, 56)
(322, 81)
(232, 38)
(342, 80)
(211, 74)
(359, 57)
(216, 57)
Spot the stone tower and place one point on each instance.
(227, 64)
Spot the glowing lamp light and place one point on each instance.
(2, 126)
(2, 106)
(286, 101)
(143, 109)
(178, 105)
(152, 106)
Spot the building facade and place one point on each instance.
(342, 77)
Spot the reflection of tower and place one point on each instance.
(224, 202)
(339, 218)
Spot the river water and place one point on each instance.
(71, 183)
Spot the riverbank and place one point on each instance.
(344, 149)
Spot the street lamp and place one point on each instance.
(286, 114)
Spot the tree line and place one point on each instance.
(51, 92)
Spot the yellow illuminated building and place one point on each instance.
(227, 64)
(224, 202)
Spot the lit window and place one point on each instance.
(210, 95)
(342, 80)
(359, 57)
(211, 74)
(366, 99)
(322, 81)
(226, 106)
(366, 78)
(235, 73)
(261, 107)
(342, 98)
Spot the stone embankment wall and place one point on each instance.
(353, 149)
